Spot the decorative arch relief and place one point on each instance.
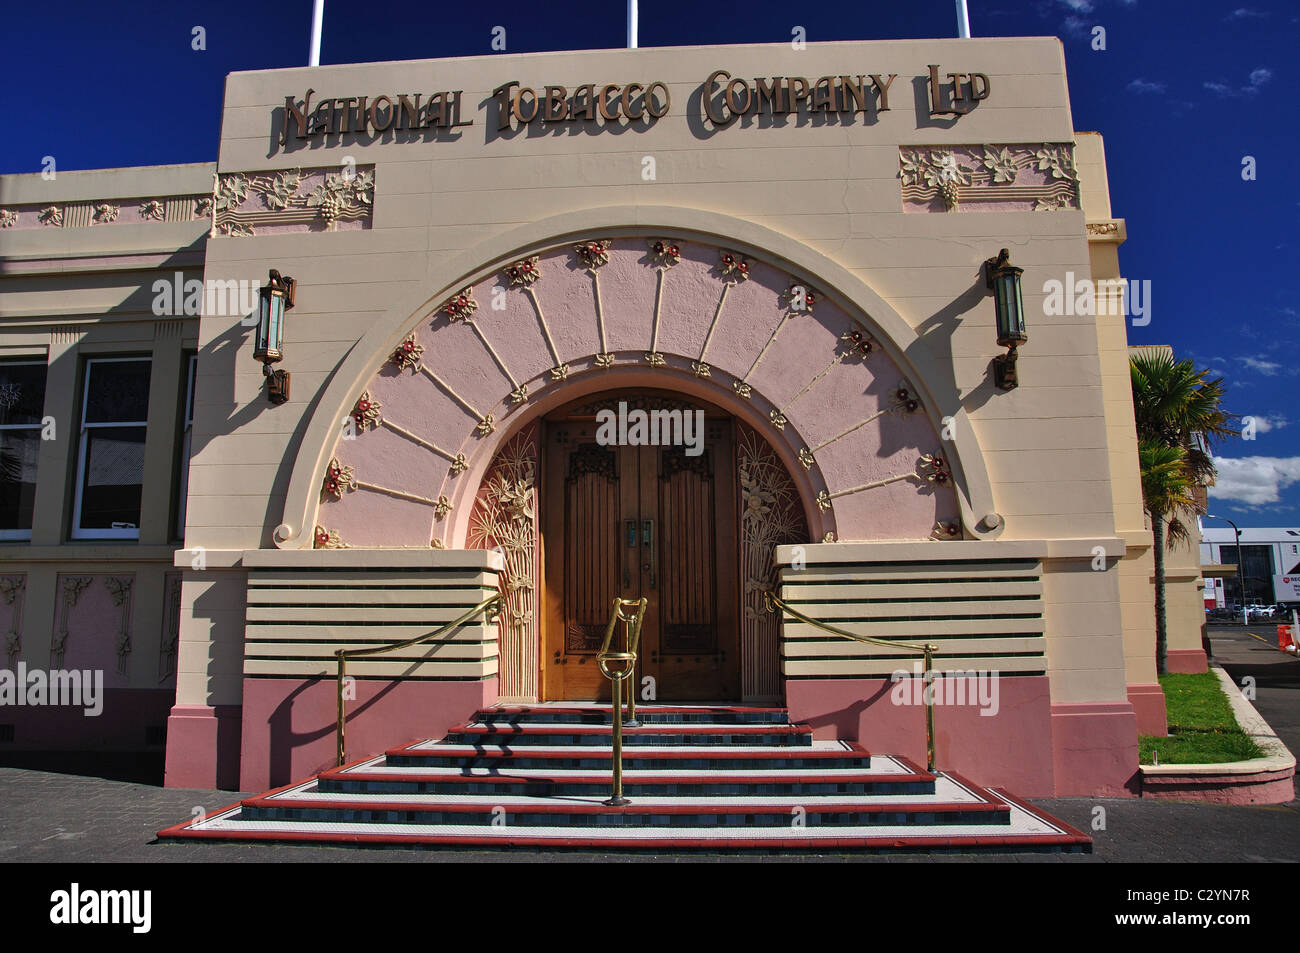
(701, 319)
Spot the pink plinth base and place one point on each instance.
(1186, 661)
(1012, 748)
(121, 725)
(1148, 703)
(289, 723)
(203, 747)
(1095, 749)
(1261, 787)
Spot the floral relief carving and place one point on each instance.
(51, 215)
(946, 530)
(236, 229)
(119, 589)
(857, 344)
(203, 206)
(505, 518)
(338, 479)
(277, 190)
(105, 213)
(799, 297)
(407, 355)
(72, 588)
(935, 468)
(341, 195)
(523, 273)
(733, 267)
(153, 210)
(291, 197)
(11, 590)
(1039, 177)
(461, 307)
(441, 508)
(323, 538)
(592, 254)
(232, 191)
(665, 252)
(7, 218)
(366, 412)
(771, 516)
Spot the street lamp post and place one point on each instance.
(1241, 566)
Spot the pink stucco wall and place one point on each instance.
(289, 723)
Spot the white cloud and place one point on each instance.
(1141, 85)
(1267, 368)
(1265, 424)
(1245, 13)
(1254, 480)
(1258, 78)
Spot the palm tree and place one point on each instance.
(1166, 488)
(1179, 419)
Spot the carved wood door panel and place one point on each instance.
(635, 521)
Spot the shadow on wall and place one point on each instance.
(935, 334)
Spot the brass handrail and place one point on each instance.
(631, 642)
(772, 601)
(344, 654)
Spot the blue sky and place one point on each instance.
(1183, 93)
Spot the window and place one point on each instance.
(187, 427)
(22, 403)
(110, 464)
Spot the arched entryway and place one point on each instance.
(646, 494)
(442, 444)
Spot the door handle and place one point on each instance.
(648, 541)
(627, 553)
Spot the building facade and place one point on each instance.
(494, 258)
(1268, 567)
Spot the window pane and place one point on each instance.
(18, 452)
(189, 390)
(110, 495)
(22, 393)
(118, 391)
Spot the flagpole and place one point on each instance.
(631, 24)
(317, 16)
(963, 20)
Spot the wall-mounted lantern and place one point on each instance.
(268, 346)
(1004, 278)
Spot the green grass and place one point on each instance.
(1202, 729)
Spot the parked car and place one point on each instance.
(1258, 611)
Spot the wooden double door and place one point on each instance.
(630, 521)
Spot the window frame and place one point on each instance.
(25, 535)
(78, 533)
